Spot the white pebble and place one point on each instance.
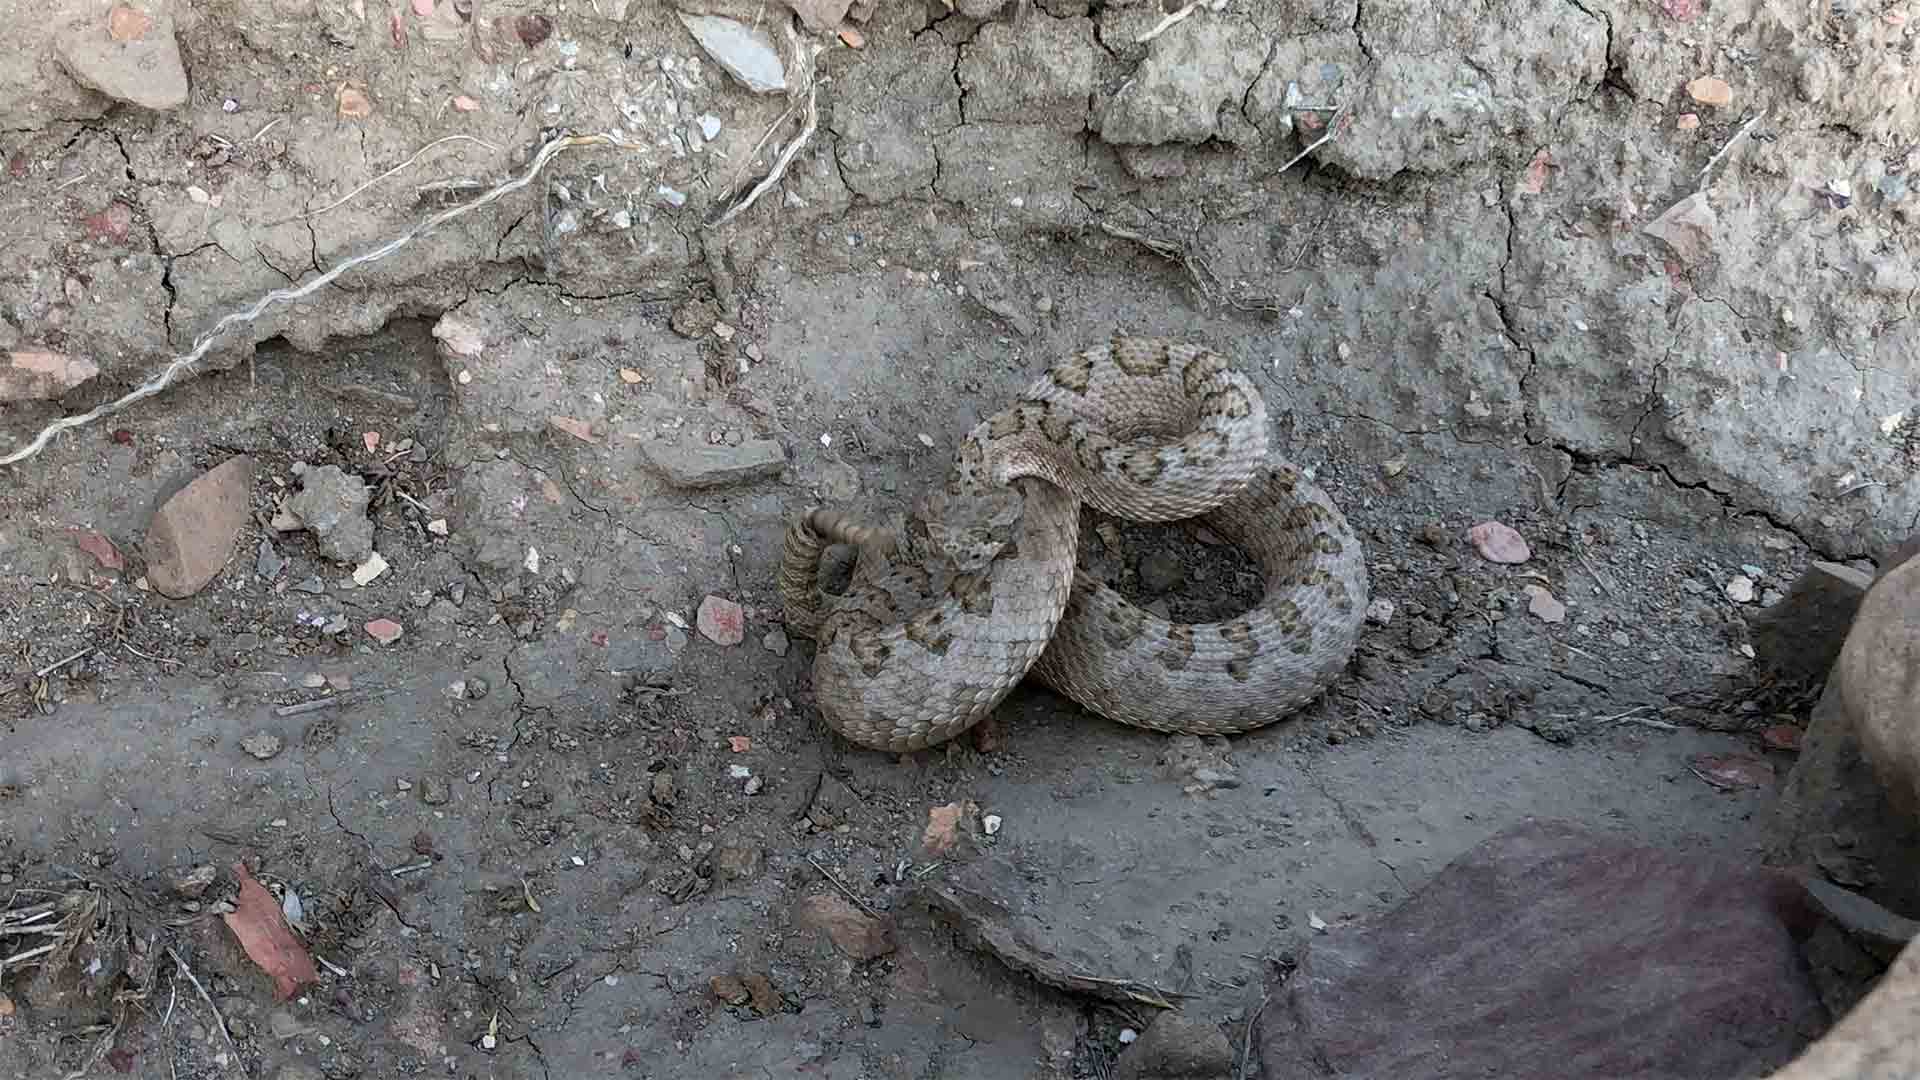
(992, 823)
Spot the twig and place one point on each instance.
(184, 363)
(851, 895)
(149, 656)
(219, 1020)
(411, 868)
(264, 130)
(58, 664)
(22, 957)
(1246, 1044)
(404, 165)
(1722, 152)
(1605, 585)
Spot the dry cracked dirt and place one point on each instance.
(1626, 276)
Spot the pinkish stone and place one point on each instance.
(721, 621)
(384, 631)
(1498, 543)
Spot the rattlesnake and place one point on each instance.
(978, 587)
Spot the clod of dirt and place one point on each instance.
(332, 505)
(533, 29)
(40, 376)
(738, 863)
(1160, 572)
(1423, 634)
(1686, 227)
(1177, 1047)
(852, 931)
(262, 744)
(144, 71)
(695, 467)
(192, 536)
(1799, 636)
(743, 52)
(192, 884)
(943, 827)
(1201, 764)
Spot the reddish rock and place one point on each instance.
(100, 548)
(1555, 951)
(721, 621)
(852, 931)
(192, 536)
(384, 631)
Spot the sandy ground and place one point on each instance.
(518, 835)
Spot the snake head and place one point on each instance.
(968, 529)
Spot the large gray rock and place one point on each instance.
(1879, 1039)
(1879, 677)
(1551, 950)
(1800, 637)
(1833, 816)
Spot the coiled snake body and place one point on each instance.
(944, 616)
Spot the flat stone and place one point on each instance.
(193, 535)
(1499, 543)
(721, 621)
(1687, 227)
(715, 466)
(1879, 676)
(30, 375)
(852, 931)
(1553, 950)
(384, 631)
(775, 641)
(1800, 637)
(144, 71)
(1177, 1047)
(743, 52)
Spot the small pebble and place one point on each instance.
(262, 744)
(1740, 590)
(1380, 611)
(384, 631)
(1499, 543)
(1709, 90)
(1544, 605)
(775, 642)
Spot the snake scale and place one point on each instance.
(978, 585)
